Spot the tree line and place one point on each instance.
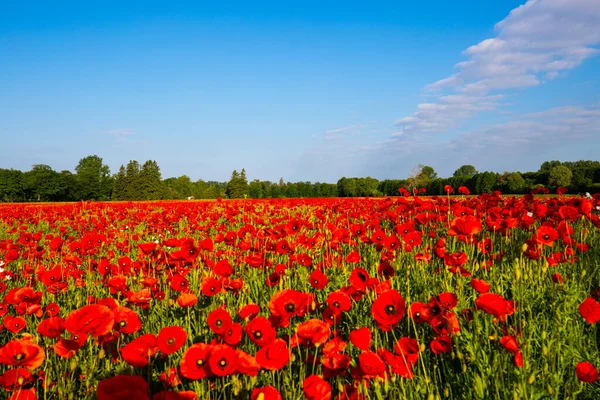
(92, 180)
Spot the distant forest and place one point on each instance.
(93, 180)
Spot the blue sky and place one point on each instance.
(312, 92)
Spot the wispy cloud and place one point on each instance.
(535, 43)
(338, 133)
(121, 134)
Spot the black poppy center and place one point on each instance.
(219, 322)
(546, 237)
(200, 362)
(336, 304)
(171, 341)
(390, 309)
(123, 324)
(290, 307)
(19, 356)
(258, 334)
(222, 363)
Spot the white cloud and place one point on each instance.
(535, 42)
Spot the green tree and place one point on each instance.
(94, 180)
(466, 170)
(515, 182)
(255, 189)
(41, 183)
(132, 181)
(150, 181)
(547, 166)
(560, 176)
(11, 185)
(67, 185)
(428, 174)
(237, 187)
(119, 186)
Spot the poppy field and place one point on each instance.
(374, 298)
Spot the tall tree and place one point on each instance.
(93, 179)
(560, 176)
(11, 185)
(132, 178)
(41, 183)
(119, 186)
(466, 170)
(150, 181)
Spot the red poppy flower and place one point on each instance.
(14, 324)
(448, 300)
(223, 268)
(312, 331)
(518, 360)
(123, 387)
(223, 360)
(495, 305)
(249, 311)
(15, 379)
(127, 321)
(274, 356)
(247, 364)
(287, 303)
(22, 353)
(586, 372)
(179, 283)
(273, 279)
(590, 310)
(388, 309)
(233, 336)
(557, 278)
(339, 300)
(94, 320)
(66, 348)
(52, 309)
(480, 286)
(353, 257)
(370, 365)
(24, 394)
(408, 349)
(194, 362)
(316, 388)
(137, 353)
(260, 331)
(546, 235)
(265, 393)
(219, 321)
(510, 344)
(187, 300)
(51, 327)
(359, 278)
(318, 279)
(467, 225)
(441, 344)
(211, 286)
(420, 312)
(170, 339)
(361, 338)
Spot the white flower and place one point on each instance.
(8, 278)
(530, 214)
